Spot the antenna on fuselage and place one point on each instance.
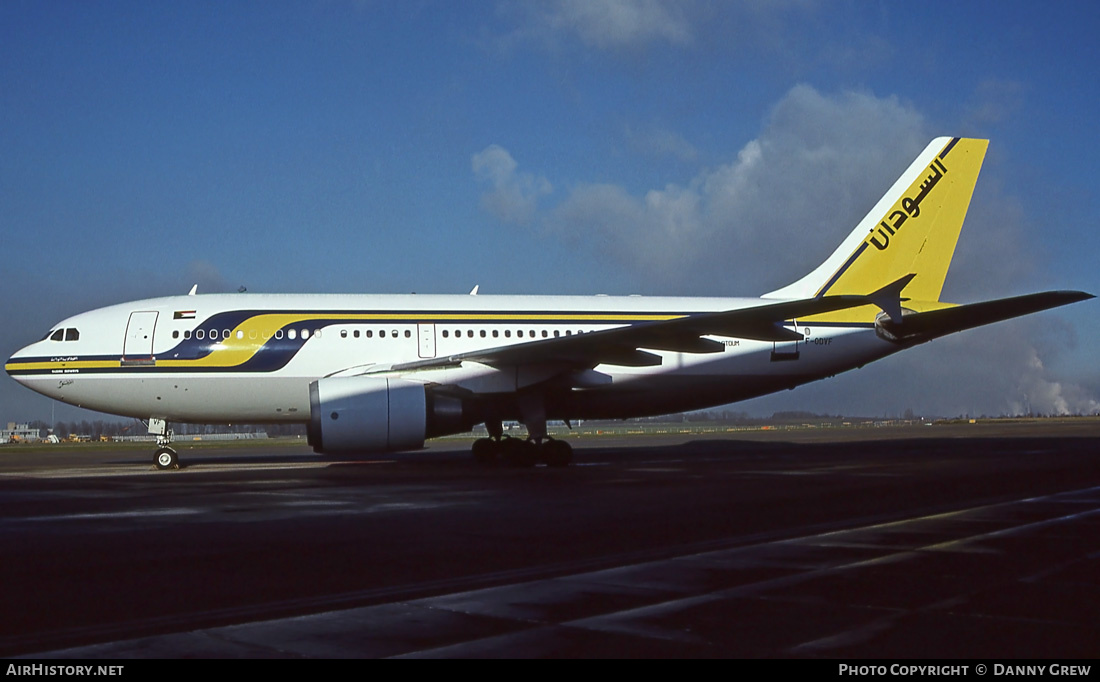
(193, 290)
(473, 292)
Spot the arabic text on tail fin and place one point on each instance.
(911, 230)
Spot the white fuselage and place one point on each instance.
(251, 357)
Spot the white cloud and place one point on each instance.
(749, 27)
(659, 143)
(778, 209)
(619, 23)
(207, 276)
(770, 215)
(1039, 394)
(512, 196)
(994, 101)
(1003, 369)
(996, 370)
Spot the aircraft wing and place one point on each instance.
(921, 327)
(623, 345)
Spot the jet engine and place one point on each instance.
(378, 414)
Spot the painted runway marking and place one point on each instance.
(144, 513)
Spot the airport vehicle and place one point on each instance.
(380, 373)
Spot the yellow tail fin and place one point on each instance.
(913, 229)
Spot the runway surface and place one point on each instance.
(967, 541)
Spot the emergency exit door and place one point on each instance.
(426, 334)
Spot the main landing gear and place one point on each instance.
(165, 457)
(518, 452)
(538, 447)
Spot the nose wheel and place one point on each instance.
(166, 458)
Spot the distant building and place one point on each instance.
(19, 431)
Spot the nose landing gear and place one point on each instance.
(165, 457)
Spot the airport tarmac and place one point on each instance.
(962, 541)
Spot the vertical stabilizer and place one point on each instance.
(912, 230)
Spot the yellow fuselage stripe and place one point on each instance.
(233, 351)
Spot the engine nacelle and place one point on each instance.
(377, 414)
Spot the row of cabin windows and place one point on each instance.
(369, 333)
(215, 335)
(495, 333)
(531, 334)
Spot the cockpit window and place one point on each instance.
(48, 334)
(70, 334)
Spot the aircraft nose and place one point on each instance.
(25, 367)
(11, 365)
(17, 365)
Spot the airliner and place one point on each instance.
(383, 373)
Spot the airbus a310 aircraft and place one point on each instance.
(372, 373)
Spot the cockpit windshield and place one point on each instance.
(69, 334)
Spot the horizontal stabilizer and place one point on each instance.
(889, 297)
(920, 327)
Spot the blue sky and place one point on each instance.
(566, 146)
